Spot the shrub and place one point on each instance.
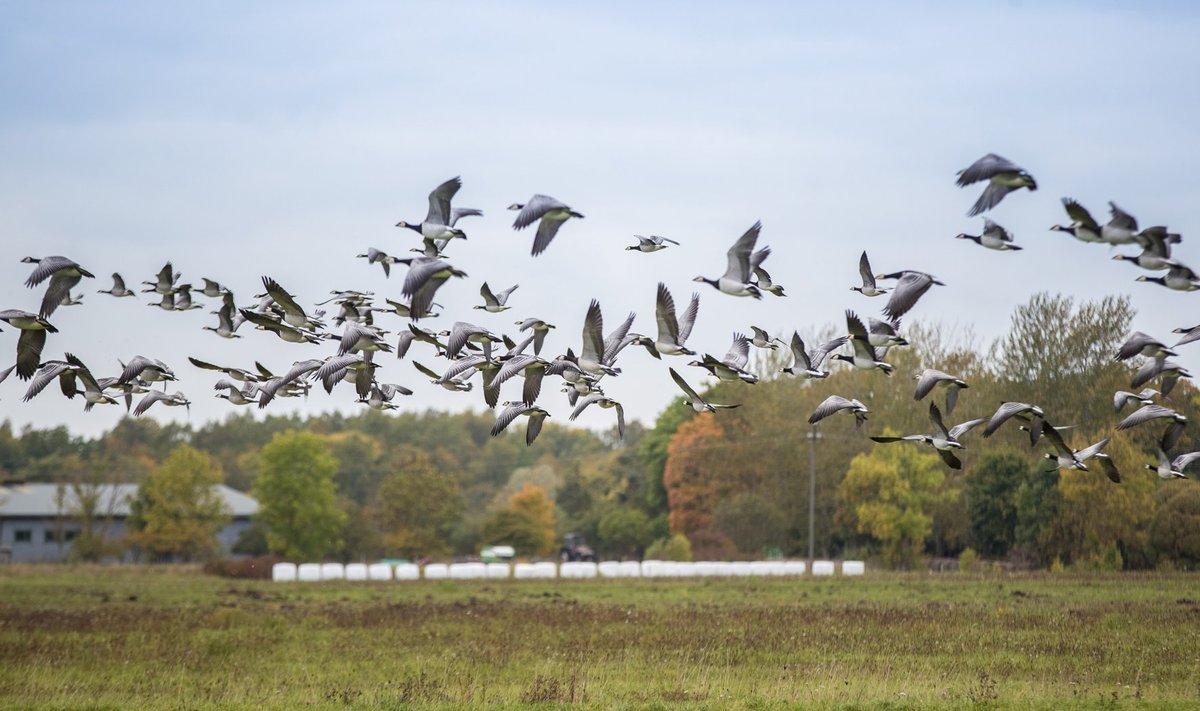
(967, 560)
(258, 568)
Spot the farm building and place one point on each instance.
(39, 521)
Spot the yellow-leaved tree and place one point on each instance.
(178, 512)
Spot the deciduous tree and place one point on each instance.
(297, 502)
(418, 505)
(178, 511)
(526, 524)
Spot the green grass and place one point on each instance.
(167, 638)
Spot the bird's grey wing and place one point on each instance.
(404, 342)
(502, 297)
(458, 213)
(1003, 413)
(134, 368)
(506, 416)
(928, 381)
(205, 365)
(1120, 218)
(1171, 435)
(800, 357)
(488, 297)
(333, 367)
(29, 352)
(984, 168)
(583, 405)
(593, 334)
(118, 282)
(620, 421)
(439, 201)
(419, 271)
(664, 312)
(855, 327)
(948, 457)
(864, 270)
(1134, 345)
(939, 427)
(300, 369)
(534, 428)
(426, 371)
(910, 287)
(1146, 372)
(461, 366)
(1182, 461)
(44, 376)
(738, 355)
(756, 260)
(537, 206)
(46, 267)
(832, 404)
(818, 355)
(533, 384)
(1110, 468)
(1079, 214)
(738, 257)
(688, 319)
(615, 341)
(151, 397)
(58, 290)
(1057, 442)
(963, 427)
(991, 197)
(282, 297)
(687, 389)
(1144, 414)
(1089, 451)
(545, 234)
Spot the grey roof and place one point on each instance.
(41, 500)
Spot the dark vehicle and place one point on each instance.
(575, 548)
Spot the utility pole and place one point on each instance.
(813, 436)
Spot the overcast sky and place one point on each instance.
(239, 140)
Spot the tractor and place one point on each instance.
(574, 548)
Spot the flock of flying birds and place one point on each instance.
(469, 349)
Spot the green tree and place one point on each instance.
(526, 524)
(297, 502)
(887, 494)
(677, 548)
(1175, 531)
(178, 512)
(751, 522)
(625, 531)
(992, 501)
(418, 505)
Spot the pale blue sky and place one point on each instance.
(284, 139)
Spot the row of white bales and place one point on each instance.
(314, 572)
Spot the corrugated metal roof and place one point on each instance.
(38, 500)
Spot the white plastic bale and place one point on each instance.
(822, 567)
(432, 571)
(308, 572)
(379, 571)
(333, 571)
(740, 567)
(853, 567)
(498, 571)
(577, 569)
(356, 571)
(706, 568)
(794, 567)
(776, 567)
(407, 571)
(523, 571)
(722, 568)
(650, 568)
(685, 570)
(545, 569)
(608, 569)
(629, 569)
(760, 567)
(283, 572)
(468, 571)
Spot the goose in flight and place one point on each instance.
(540, 329)
(1173, 468)
(383, 259)
(213, 289)
(1156, 249)
(1142, 344)
(993, 237)
(63, 274)
(1190, 335)
(440, 220)
(425, 276)
(1083, 226)
(1122, 228)
(884, 334)
(759, 338)
(239, 374)
(865, 357)
(1178, 278)
(732, 367)
(599, 352)
(692, 399)
(236, 395)
(512, 411)
(1066, 458)
(551, 213)
(118, 288)
(1151, 412)
(869, 287)
(837, 403)
(31, 341)
(762, 279)
(453, 384)
(653, 243)
(293, 313)
(942, 440)
(1122, 398)
(147, 369)
(911, 286)
(462, 333)
(279, 328)
(601, 400)
(741, 261)
(174, 399)
(929, 378)
(1169, 371)
(673, 332)
(226, 327)
(495, 303)
(382, 394)
(164, 282)
(71, 373)
(1002, 175)
(807, 364)
(273, 386)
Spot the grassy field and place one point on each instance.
(170, 638)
